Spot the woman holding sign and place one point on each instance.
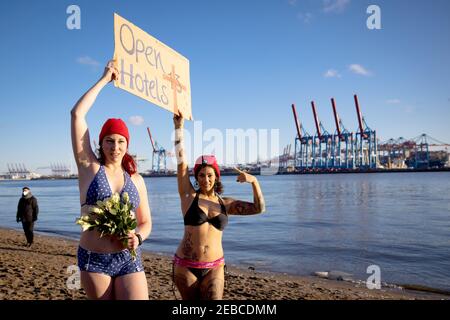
(108, 269)
(198, 265)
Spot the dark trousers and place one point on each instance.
(28, 228)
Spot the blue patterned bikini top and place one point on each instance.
(99, 189)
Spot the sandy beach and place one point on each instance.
(42, 273)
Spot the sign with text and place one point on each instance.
(151, 70)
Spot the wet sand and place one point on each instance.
(42, 273)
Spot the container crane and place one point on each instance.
(159, 156)
(422, 150)
(343, 143)
(365, 142)
(303, 145)
(322, 146)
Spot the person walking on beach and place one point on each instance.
(198, 265)
(107, 268)
(27, 213)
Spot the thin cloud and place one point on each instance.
(136, 120)
(335, 6)
(88, 61)
(393, 101)
(292, 2)
(409, 109)
(359, 69)
(331, 73)
(305, 17)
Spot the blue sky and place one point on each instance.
(249, 60)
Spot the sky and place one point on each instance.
(249, 61)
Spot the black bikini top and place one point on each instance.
(195, 215)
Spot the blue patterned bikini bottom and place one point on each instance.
(113, 264)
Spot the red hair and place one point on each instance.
(128, 164)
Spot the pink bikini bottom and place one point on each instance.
(196, 264)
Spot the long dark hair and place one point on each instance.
(218, 186)
(128, 163)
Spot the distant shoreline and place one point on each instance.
(257, 172)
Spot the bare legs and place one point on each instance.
(210, 288)
(98, 286)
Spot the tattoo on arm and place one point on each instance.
(238, 207)
(179, 147)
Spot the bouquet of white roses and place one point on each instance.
(112, 216)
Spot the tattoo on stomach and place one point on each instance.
(187, 248)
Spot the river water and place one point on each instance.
(346, 222)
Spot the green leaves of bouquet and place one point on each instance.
(112, 217)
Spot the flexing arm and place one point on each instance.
(238, 207)
(81, 146)
(184, 183)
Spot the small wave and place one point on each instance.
(421, 288)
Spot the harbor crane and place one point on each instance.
(322, 146)
(159, 156)
(303, 145)
(343, 143)
(366, 142)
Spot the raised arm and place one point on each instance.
(84, 156)
(238, 207)
(184, 183)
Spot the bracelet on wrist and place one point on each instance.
(139, 238)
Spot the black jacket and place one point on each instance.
(27, 209)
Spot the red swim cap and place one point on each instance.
(204, 160)
(118, 126)
(114, 126)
